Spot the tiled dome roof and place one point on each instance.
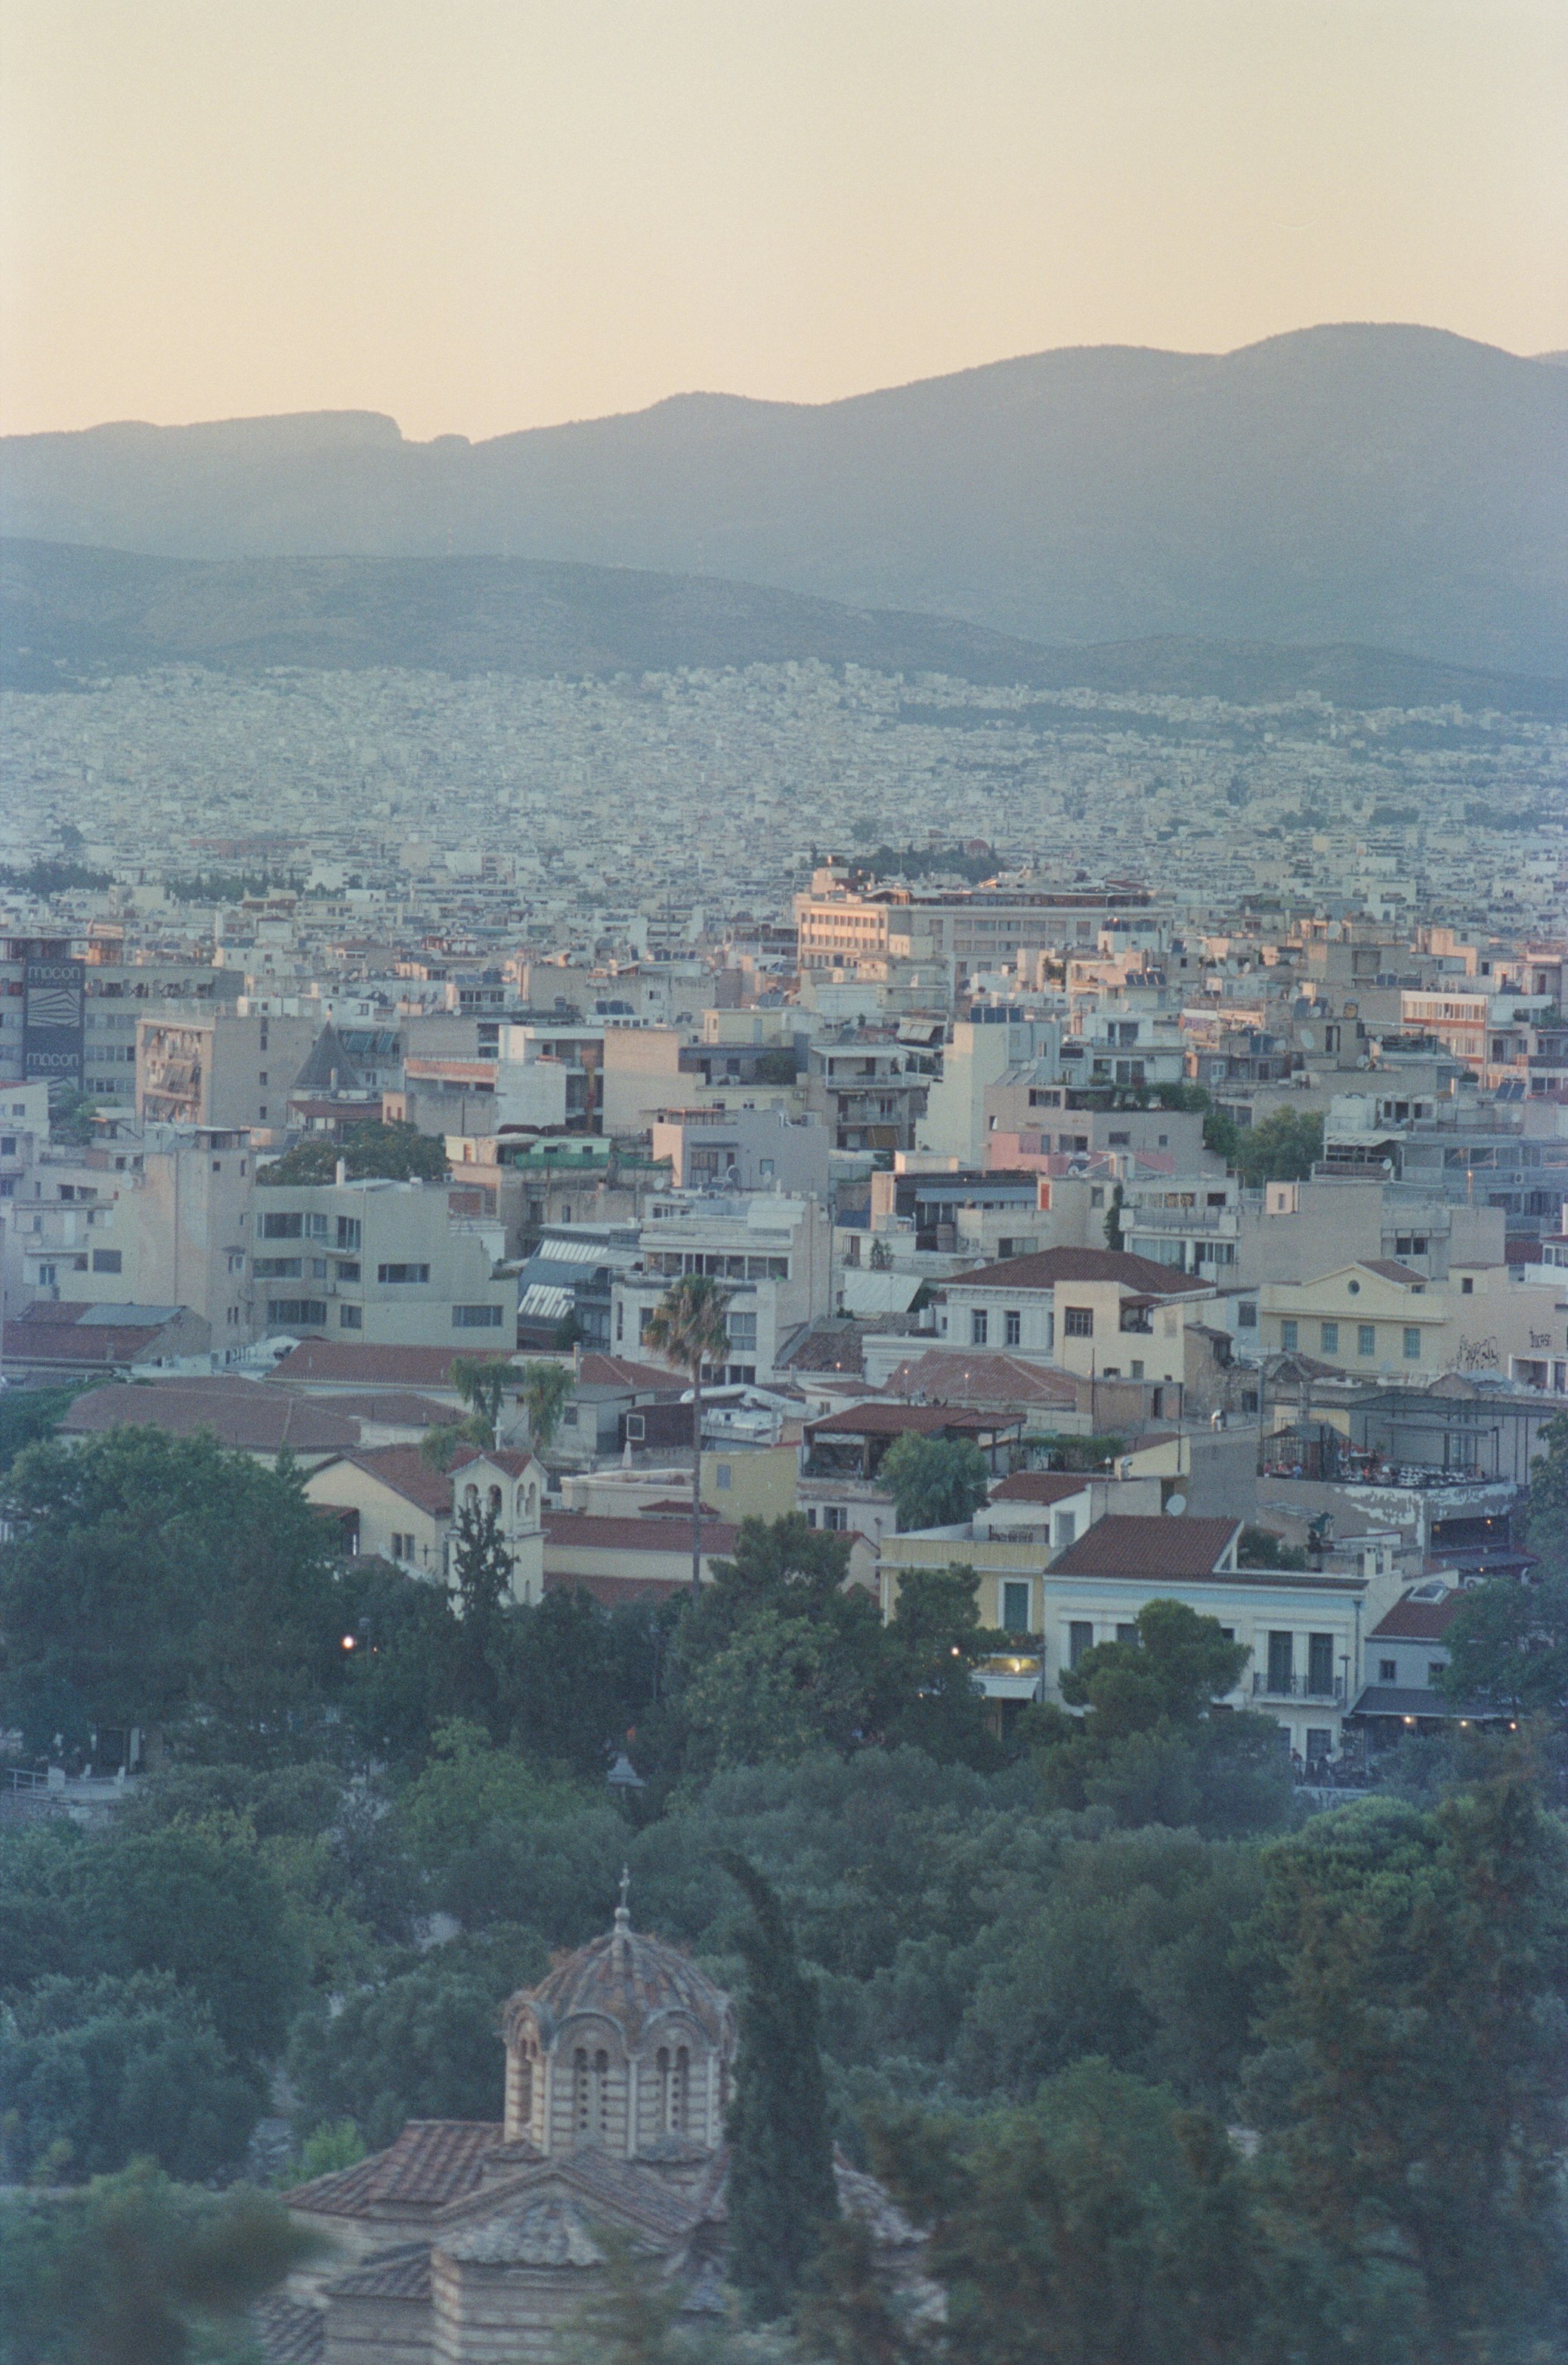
(628, 1977)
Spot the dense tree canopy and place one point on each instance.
(936, 1481)
(161, 1581)
(369, 1152)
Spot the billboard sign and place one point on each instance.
(53, 994)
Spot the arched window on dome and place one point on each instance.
(680, 2099)
(662, 2065)
(582, 2095)
(601, 2095)
(526, 2093)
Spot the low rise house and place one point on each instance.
(1304, 1631)
(1376, 1317)
(391, 1502)
(242, 1415)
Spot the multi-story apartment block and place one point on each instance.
(867, 1089)
(844, 918)
(157, 1216)
(773, 1255)
(1305, 1632)
(387, 1264)
(226, 1067)
(70, 1008)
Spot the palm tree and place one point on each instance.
(688, 1327)
(545, 1387)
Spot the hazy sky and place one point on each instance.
(488, 214)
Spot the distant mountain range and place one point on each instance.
(1393, 487)
(69, 614)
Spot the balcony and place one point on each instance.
(1277, 1686)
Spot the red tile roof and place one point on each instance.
(949, 1376)
(1389, 1271)
(883, 1419)
(595, 1371)
(1417, 1621)
(1041, 1485)
(611, 1591)
(372, 1366)
(431, 2162)
(1123, 1545)
(402, 1407)
(404, 1469)
(1053, 1266)
(241, 1414)
(583, 1532)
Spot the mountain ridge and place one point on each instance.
(1396, 487)
(69, 614)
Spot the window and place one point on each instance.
(1281, 1663)
(1434, 1670)
(836, 1518)
(392, 1274)
(1246, 1316)
(1412, 1345)
(348, 1269)
(276, 1225)
(351, 1317)
(106, 1259)
(1016, 1606)
(471, 1317)
(742, 1328)
(1080, 1639)
(278, 1268)
(1078, 1322)
(722, 1478)
(1064, 1528)
(1319, 1745)
(979, 1325)
(297, 1313)
(1320, 1666)
(348, 1232)
(1126, 1633)
(1288, 1335)
(1012, 1326)
(1366, 1339)
(1330, 1337)
(1387, 1672)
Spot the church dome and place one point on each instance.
(626, 2043)
(629, 1977)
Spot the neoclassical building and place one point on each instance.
(474, 2242)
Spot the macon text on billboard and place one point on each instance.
(51, 1021)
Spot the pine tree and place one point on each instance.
(482, 1570)
(782, 2197)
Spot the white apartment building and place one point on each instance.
(1305, 1632)
(1097, 1313)
(842, 919)
(954, 1124)
(384, 1263)
(153, 1215)
(773, 1255)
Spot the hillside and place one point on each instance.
(1393, 487)
(69, 613)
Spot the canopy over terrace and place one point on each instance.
(854, 1444)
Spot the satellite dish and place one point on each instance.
(1175, 1506)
